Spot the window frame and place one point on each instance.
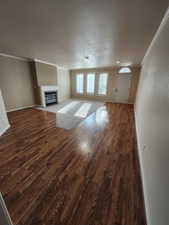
(94, 90)
(76, 75)
(106, 84)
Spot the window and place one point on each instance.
(103, 84)
(79, 83)
(125, 70)
(90, 83)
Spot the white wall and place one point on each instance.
(63, 79)
(152, 123)
(4, 124)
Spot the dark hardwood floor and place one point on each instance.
(86, 176)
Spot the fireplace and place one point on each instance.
(51, 97)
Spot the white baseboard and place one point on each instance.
(25, 107)
(139, 150)
(4, 130)
(5, 217)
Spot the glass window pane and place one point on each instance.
(90, 83)
(103, 84)
(79, 83)
(125, 70)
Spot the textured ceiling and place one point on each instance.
(63, 32)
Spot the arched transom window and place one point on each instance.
(124, 70)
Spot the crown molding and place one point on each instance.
(45, 62)
(62, 68)
(51, 64)
(29, 60)
(14, 57)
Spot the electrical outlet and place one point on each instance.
(144, 148)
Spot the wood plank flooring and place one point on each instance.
(85, 176)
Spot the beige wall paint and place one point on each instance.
(46, 74)
(43, 74)
(152, 122)
(4, 124)
(16, 83)
(111, 83)
(63, 84)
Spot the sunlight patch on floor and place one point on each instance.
(68, 107)
(83, 110)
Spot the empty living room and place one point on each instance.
(84, 112)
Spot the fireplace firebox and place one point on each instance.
(48, 94)
(51, 97)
